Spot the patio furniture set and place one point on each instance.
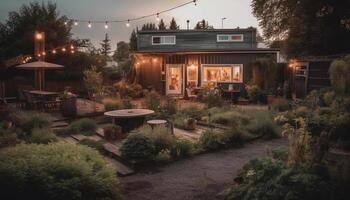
(41, 100)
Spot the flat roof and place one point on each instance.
(199, 30)
(211, 51)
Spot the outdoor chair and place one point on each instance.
(190, 94)
(31, 102)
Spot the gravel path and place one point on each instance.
(201, 177)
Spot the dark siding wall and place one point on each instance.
(318, 76)
(196, 41)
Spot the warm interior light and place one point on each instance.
(63, 49)
(155, 60)
(39, 36)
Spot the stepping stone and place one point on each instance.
(79, 137)
(100, 132)
(111, 148)
(122, 170)
(94, 137)
(70, 140)
(59, 124)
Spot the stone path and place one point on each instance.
(201, 177)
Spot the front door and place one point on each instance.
(174, 79)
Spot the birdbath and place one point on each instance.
(129, 119)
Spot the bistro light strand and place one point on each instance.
(128, 21)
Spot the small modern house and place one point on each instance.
(172, 61)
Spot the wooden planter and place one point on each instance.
(69, 107)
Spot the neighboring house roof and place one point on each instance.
(197, 30)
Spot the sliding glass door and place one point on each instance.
(174, 79)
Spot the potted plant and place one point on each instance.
(190, 124)
(69, 104)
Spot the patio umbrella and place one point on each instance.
(39, 67)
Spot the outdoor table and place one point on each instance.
(233, 94)
(129, 119)
(156, 122)
(44, 94)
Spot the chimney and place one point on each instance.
(188, 24)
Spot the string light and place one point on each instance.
(72, 51)
(71, 47)
(66, 23)
(128, 21)
(64, 49)
(54, 51)
(44, 53)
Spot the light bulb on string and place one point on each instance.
(43, 53)
(54, 51)
(195, 2)
(71, 47)
(72, 51)
(106, 25)
(76, 23)
(63, 49)
(158, 19)
(65, 23)
(89, 24)
(128, 23)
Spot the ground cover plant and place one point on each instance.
(55, 171)
(83, 126)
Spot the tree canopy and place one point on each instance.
(133, 41)
(161, 25)
(313, 27)
(173, 25)
(203, 25)
(106, 45)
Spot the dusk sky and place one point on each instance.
(237, 12)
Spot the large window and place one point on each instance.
(164, 40)
(222, 73)
(192, 75)
(230, 38)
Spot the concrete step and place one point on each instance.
(122, 170)
(70, 140)
(80, 137)
(59, 124)
(112, 149)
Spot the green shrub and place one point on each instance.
(163, 157)
(83, 126)
(280, 154)
(138, 148)
(42, 136)
(160, 137)
(181, 149)
(255, 94)
(152, 100)
(230, 118)
(213, 140)
(339, 74)
(263, 125)
(192, 112)
(55, 171)
(328, 98)
(281, 105)
(212, 99)
(7, 137)
(237, 136)
(97, 145)
(38, 120)
(268, 179)
(115, 103)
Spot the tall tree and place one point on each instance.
(203, 25)
(313, 27)
(161, 25)
(17, 33)
(133, 41)
(173, 25)
(105, 46)
(122, 53)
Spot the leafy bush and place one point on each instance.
(268, 179)
(160, 137)
(138, 148)
(116, 103)
(263, 125)
(212, 99)
(38, 120)
(152, 100)
(181, 149)
(126, 89)
(97, 145)
(42, 136)
(230, 118)
(255, 94)
(83, 126)
(339, 75)
(192, 112)
(328, 98)
(7, 137)
(281, 105)
(55, 171)
(213, 140)
(237, 136)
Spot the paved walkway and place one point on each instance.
(198, 178)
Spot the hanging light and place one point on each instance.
(65, 23)
(106, 25)
(39, 55)
(195, 2)
(54, 51)
(44, 53)
(76, 23)
(89, 24)
(71, 47)
(72, 51)
(64, 49)
(128, 23)
(158, 19)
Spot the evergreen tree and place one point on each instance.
(161, 25)
(149, 27)
(133, 41)
(105, 46)
(203, 25)
(173, 25)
